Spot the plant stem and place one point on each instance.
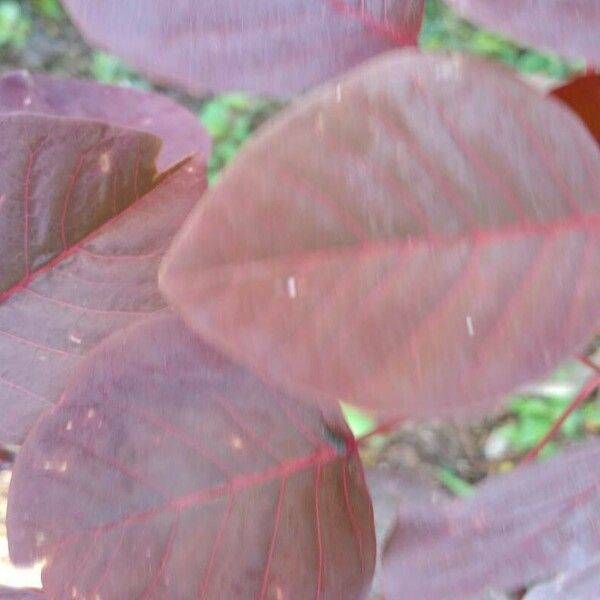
(383, 427)
(586, 391)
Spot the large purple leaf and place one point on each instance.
(75, 265)
(569, 27)
(420, 238)
(579, 584)
(180, 130)
(527, 525)
(583, 96)
(169, 472)
(19, 594)
(272, 46)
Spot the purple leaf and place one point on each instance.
(420, 238)
(180, 130)
(169, 472)
(272, 46)
(76, 265)
(19, 594)
(569, 27)
(579, 584)
(530, 524)
(583, 96)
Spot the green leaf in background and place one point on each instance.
(359, 422)
(444, 29)
(230, 119)
(455, 484)
(15, 25)
(50, 9)
(109, 69)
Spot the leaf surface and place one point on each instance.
(179, 129)
(169, 472)
(533, 523)
(19, 594)
(579, 584)
(569, 27)
(583, 96)
(271, 46)
(80, 244)
(418, 239)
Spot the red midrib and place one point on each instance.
(579, 223)
(30, 276)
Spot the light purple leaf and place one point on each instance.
(272, 46)
(578, 584)
(179, 129)
(530, 524)
(168, 472)
(420, 238)
(19, 594)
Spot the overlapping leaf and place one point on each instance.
(65, 283)
(420, 238)
(180, 131)
(525, 526)
(18, 594)
(168, 472)
(579, 584)
(583, 96)
(569, 27)
(272, 46)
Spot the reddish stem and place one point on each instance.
(383, 427)
(586, 391)
(588, 362)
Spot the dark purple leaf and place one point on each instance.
(177, 127)
(272, 46)
(579, 584)
(166, 471)
(583, 96)
(19, 594)
(569, 27)
(530, 524)
(75, 265)
(420, 238)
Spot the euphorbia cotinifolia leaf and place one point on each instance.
(583, 96)
(582, 583)
(16, 594)
(168, 472)
(271, 46)
(569, 27)
(419, 238)
(533, 523)
(75, 265)
(180, 131)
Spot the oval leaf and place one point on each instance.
(529, 524)
(169, 472)
(421, 238)
(86, 266)
(583, 96)
(569, 27)
(179, 129)
(272, 46)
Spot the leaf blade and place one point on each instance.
(395, 247)
(287, 45)
(183, 478)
